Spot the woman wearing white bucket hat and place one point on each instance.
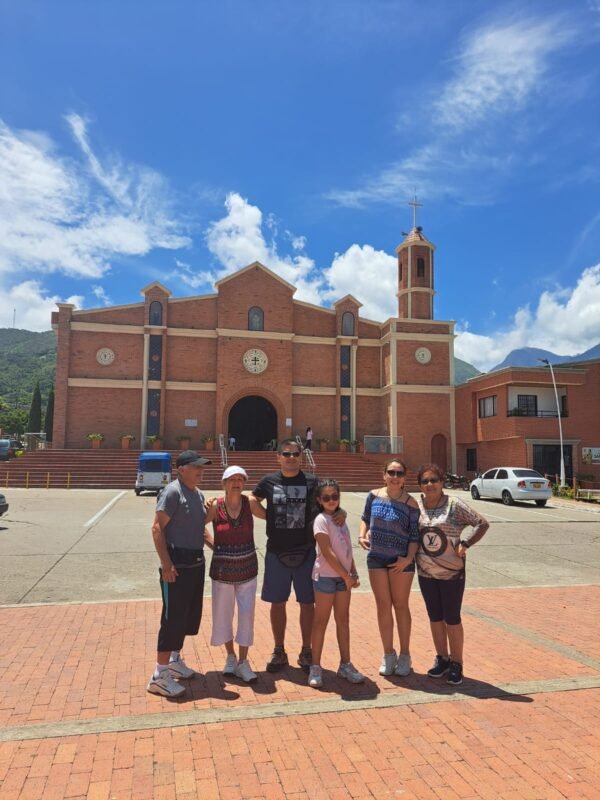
(233, 571)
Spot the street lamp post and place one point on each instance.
(562, 454)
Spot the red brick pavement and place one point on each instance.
(77, 662)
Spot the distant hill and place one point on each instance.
(25, 358)
(463, 371)
(528, 357)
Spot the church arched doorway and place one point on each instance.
(253, 422)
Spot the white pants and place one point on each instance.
(225, 596)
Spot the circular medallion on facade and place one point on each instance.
(105, 356)
(255, 360)
(423, 355)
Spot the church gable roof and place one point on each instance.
(156, 285)
(255, 265)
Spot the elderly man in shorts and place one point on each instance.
(290, 555)
(178, 534)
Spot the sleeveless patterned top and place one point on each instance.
(234, 557)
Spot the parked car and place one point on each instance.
(511, 484)
(3, 505)
(9, 448)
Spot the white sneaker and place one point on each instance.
(231, 663)
(350, 673)
(179, 669)
(165, 685)
(244, 672)
(388, 663)
(315, 678)
(403, 665)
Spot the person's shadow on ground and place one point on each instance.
(472, 687)
(267, 684)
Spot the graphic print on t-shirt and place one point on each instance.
(289, 505)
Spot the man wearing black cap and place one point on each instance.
(178, 535)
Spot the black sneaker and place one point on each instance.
(441, 665)
(278, 661)
(455, 675)
(305, 659)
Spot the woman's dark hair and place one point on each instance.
(394, 461)
(325, 483)
(430, 468)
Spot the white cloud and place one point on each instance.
(237, 239)
(65, 215)
(566, 321)
(368, 274)
(100, 294)
(499, 69)
(30, 305)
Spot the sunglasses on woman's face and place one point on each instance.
(395, 473)
(425, 481)
(326, 498)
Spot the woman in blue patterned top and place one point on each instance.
(389, 530)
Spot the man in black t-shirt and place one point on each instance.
(290, 555)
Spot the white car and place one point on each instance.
(511, 484)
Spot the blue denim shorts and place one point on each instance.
(279, 579)
(329, 585)
(381, 562)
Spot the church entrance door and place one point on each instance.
(253, 422)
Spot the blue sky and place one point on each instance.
(179, 142)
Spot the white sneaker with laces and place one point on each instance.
(165, 685)
(388, 663)
(350, 673)
(231, 663)
(179, 669)
(315, 678)
(403, 666)
(244, 672)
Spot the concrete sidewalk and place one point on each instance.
(76, 721)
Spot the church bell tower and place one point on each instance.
(415, 272)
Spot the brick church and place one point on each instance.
(252, 361)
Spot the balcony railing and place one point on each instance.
(523, 412)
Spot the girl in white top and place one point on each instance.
(334, 575)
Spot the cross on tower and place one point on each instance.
(415, 204)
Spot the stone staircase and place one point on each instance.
(116, 469)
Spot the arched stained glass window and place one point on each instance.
(256, 319)
(347, 323)
(155, 313)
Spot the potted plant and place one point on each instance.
(95, 439)
(323, 441)
(185, 440)
(154, 441)
(126, 440)
(356, 446)
(208, 442)
(343, 445)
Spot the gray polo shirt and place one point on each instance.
(185, 508)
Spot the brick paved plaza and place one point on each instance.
(78, 723)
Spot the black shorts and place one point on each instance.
(182, 607)
(443, 599)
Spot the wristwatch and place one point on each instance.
(465, 544)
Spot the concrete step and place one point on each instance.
(117, 468)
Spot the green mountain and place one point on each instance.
(463, 371)
(25, 358)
